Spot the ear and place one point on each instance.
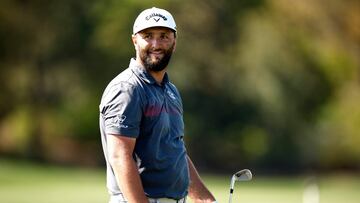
(134, 40)
(174, 46)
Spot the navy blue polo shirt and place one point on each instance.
(134, 105)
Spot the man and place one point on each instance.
(141, 123)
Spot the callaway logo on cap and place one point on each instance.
(154, 17)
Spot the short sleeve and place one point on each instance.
(121, 110)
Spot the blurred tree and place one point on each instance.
(45, 47)
(266, 84)
(278, 66)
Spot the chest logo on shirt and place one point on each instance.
(171, 95)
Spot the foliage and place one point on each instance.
(272, 85)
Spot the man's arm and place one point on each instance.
(197, 189)
(120, 149)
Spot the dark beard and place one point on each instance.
(158, 65)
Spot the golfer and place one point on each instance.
(141, 123)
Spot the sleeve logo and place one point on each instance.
(118, 121)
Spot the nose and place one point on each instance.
(155, 43)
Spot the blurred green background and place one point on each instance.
(270, 85)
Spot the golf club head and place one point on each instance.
(243, 175)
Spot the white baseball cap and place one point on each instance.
(154, 17)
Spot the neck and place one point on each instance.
(158, 76)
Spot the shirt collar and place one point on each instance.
(142, 73)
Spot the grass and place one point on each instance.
(22, 182)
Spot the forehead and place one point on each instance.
(157, 30)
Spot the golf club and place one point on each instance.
(243, 175)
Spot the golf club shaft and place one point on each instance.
(230, 198)
(231, 189)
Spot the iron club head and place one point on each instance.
(243, 175)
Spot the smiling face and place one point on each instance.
(154, 47)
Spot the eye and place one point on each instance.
(147, 36)
(164, 36)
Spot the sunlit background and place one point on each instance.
(269, 85)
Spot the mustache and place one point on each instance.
(156, 50)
